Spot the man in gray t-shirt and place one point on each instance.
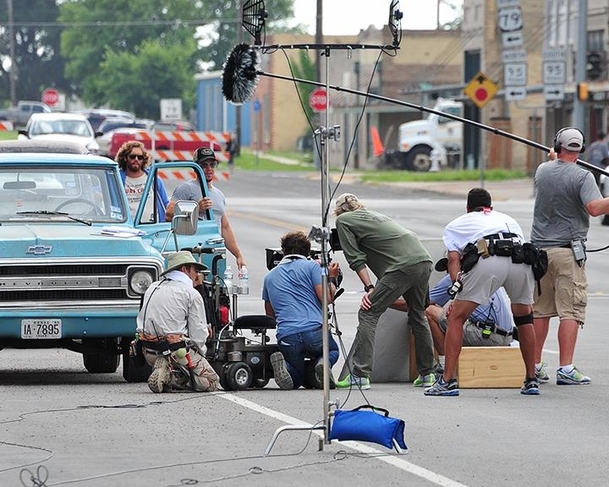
(566, 195)
(192, 191)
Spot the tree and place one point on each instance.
(107, 44)
(38, 61)
(122, 75)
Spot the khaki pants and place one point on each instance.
(205, 377)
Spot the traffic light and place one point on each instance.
(594, 65)
(582, 91)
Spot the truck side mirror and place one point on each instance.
(186, 218)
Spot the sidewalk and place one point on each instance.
(512, 189)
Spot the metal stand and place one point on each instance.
(321, 235)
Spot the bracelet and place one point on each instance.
(368, 287)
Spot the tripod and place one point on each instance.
(253, 20)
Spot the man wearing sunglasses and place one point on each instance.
(191, 191)
(133, 160)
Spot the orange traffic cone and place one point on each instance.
(377, 144)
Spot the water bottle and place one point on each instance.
(244, 277)
(228, 279)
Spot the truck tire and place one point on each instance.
(101, 363)
(419, 159)
(133, 373)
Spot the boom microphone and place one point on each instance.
(240, 76)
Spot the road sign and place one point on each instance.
(514, 56)
(510, 19)
(481, 89)
(318, 99)
(554, 92)
(515, 74)
(512, 39)
(514, 93)
(50, 96)
(554, 73)
(171, 109)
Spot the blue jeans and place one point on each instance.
(295, 348)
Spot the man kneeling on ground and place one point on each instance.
(292, 293)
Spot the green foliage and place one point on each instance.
(37, 55)
(305, 69)
(157, 71)
(227, 31)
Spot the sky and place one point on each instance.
(348, 17)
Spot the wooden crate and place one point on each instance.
(490, 367)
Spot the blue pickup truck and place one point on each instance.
(73, 261)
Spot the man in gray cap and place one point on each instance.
(566, 195)
(173, 329)
(396, 256)
(192, 191)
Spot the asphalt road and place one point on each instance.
(97, 430)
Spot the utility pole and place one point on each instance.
(238, 107)
(579, 109)
(11, 33)
(319, 37)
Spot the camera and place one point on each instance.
(274, 256)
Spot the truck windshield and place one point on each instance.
(35, 193)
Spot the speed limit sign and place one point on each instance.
(171, 109)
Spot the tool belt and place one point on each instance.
(163, 345)
(488, 327)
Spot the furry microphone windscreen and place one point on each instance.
(240, 76)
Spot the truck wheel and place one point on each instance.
(419, 159)
(101, 363)
(239, 376)
(134, 373)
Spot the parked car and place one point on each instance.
(97, 115)
(112, 123)
(20, 114)
(173, 127)
(66, 127)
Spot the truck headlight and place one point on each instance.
(139, 281)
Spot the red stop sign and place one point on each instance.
(50, 96)
(318, 100)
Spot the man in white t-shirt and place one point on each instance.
(491, 243)
(133, 160)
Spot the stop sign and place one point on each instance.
(50, 96)
(318, 100)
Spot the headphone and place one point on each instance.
(558, 146)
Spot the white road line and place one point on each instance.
(360, 447)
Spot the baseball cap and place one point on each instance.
(204, 154)
(441, 265)
(571, 139)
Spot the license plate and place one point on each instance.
(33, 329)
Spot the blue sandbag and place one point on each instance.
(374, 426)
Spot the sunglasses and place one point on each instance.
(212, 164)
(139, 157)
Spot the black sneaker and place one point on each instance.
(441, 388)
(530, 387)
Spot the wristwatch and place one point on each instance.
(368, 287)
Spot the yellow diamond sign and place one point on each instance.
(481, 89)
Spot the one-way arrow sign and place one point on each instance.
(513, 93)
(554, 93)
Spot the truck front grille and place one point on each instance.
(78, 282)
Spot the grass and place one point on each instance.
(445, 175)
(250, 162)
(8, 135)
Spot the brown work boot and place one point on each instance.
(159, 379)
